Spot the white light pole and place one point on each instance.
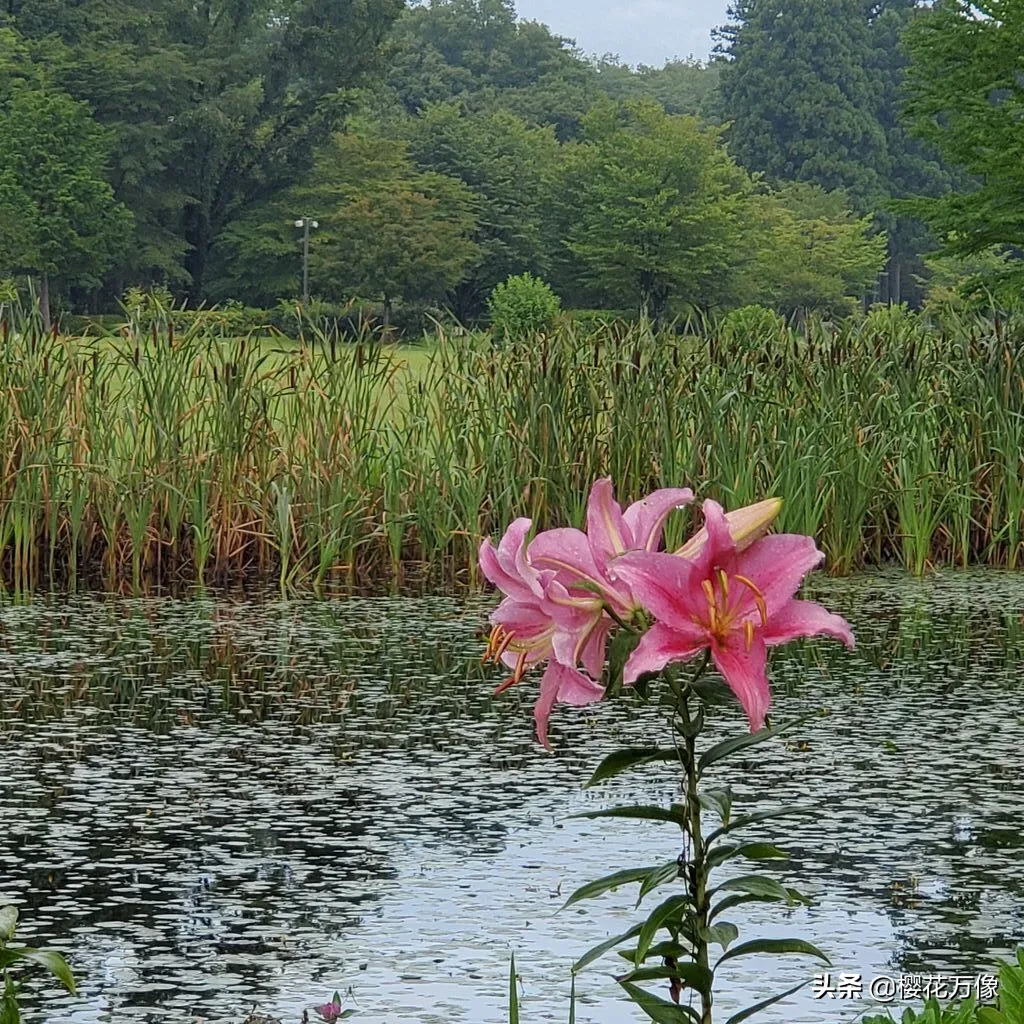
(305, 223)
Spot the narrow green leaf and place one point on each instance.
(756, 885)
(659, 1010)
(622, 760)
(733, 901)
(751, 851)
(8, 923)
(722, 934)
(693, 975)
(666, 911)
(774, 947)
(572, 1001)
(736, 1018)
(656, 877)
(609, 882)
(756, 818)
(658, 951)
(53, 962)
(646, 812)
(599, 950)
(737, 743)
(718, 801)
(513, 993)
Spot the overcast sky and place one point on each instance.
(639, 31)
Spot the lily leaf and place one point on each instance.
(722, 934)
(696, 977)
(674, 814)
(775, 947)
(673, 907)
(752, 851)
(757, 885)
(53, 962)
(609, 882)
(736, 1018)
(658, 876)
(599, 950)
(738, 743)
(661, 1011)
(718, 801)
(659, 951)
(757, 817)
(622, 760)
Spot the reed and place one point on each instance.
(155, 459)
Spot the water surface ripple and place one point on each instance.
(210, 805)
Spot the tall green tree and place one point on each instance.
(215, 105)
(58, 215)
(799, 93)
(814, 254)
(388, 230)
(813, 91)
(652, 208)
(967, 99)
(506, 163)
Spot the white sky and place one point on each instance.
(639, 31)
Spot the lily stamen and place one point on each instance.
(762, 606)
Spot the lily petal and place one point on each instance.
(567, 551)
(606, 529)
(745, 672)
(777, 565)
(646, 519)
(806, 618)
(564, 685)
(746, 526)
(666, 585)
(660, 646)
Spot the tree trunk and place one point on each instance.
(44, 300)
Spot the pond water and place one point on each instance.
(213, 805)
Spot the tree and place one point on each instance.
(58, 215)
(216, 106)
(814, 90)
(799, 92)
(505, 163)
(967, 99)
(813, 252)
(652, 208)
(387, 230)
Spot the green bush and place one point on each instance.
(522, 306)
(1009, 1008)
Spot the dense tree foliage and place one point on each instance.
(58, 215)
(445, 146)
(967, 86)
(814, 93)
(652, 208)
(214, 106)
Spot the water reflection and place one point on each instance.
(214, 804)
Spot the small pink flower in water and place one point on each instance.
(331, 1011)
(559, 592)
(734, 601)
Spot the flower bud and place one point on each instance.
(746, 525)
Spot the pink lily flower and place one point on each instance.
(537, 610)
(557, 590)
(735, 602)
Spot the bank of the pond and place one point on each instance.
(160, 460)
(208, 805)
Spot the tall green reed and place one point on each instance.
(155, 458)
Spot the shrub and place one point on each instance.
(522, 306)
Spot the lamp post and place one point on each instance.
(305, 223)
